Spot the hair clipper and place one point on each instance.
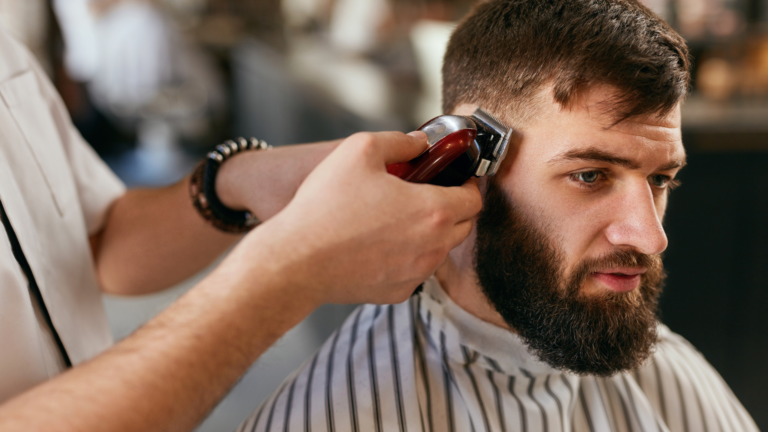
(459, 147)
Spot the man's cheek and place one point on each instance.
(661, 206)
(576, 241)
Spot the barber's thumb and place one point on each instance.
(402, 147)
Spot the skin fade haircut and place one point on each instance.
(505, 51)
(521, 272)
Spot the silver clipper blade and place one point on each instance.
(495, 150)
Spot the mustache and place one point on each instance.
(619, 258)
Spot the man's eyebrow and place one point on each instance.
(673, 165)
(597, 155)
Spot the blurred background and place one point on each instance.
(153, 85)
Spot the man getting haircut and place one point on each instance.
(545, 318)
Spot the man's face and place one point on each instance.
(567, 249)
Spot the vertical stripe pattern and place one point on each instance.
(421, 366)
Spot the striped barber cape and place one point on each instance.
(428, 365)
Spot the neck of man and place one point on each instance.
(459, 280)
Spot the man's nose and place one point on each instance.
(636, 222)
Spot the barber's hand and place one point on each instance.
(356, 234)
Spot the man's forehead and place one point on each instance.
(656, 131)
(635, 147)
(589, 124)
(663, 129)
(598, 107)
(652, 138)
(656, 126)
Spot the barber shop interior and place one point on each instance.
(660, 321)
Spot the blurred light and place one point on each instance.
(300, 13)
(430, 40)
(355, 23)
(353, 82)
(659, 7)
(81, 48)
(717, 79)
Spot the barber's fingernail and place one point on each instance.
(418, 134)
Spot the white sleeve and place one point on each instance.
(97, 186)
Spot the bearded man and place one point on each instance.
(545, 318)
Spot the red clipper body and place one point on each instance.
(460, 147)
(438, 156)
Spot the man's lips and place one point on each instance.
(622, 279)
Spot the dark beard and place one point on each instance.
(521, 272)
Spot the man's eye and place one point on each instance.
(587, 176)
(660, 181)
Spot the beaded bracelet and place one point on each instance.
(202, 187)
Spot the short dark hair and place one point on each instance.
(506, 51)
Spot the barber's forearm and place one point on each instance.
(153, 239)
(265, 181)
(169, 374)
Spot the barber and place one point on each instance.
(70, 229)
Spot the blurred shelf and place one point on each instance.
(746, 116)
(728, 126)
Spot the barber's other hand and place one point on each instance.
(356, 234)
